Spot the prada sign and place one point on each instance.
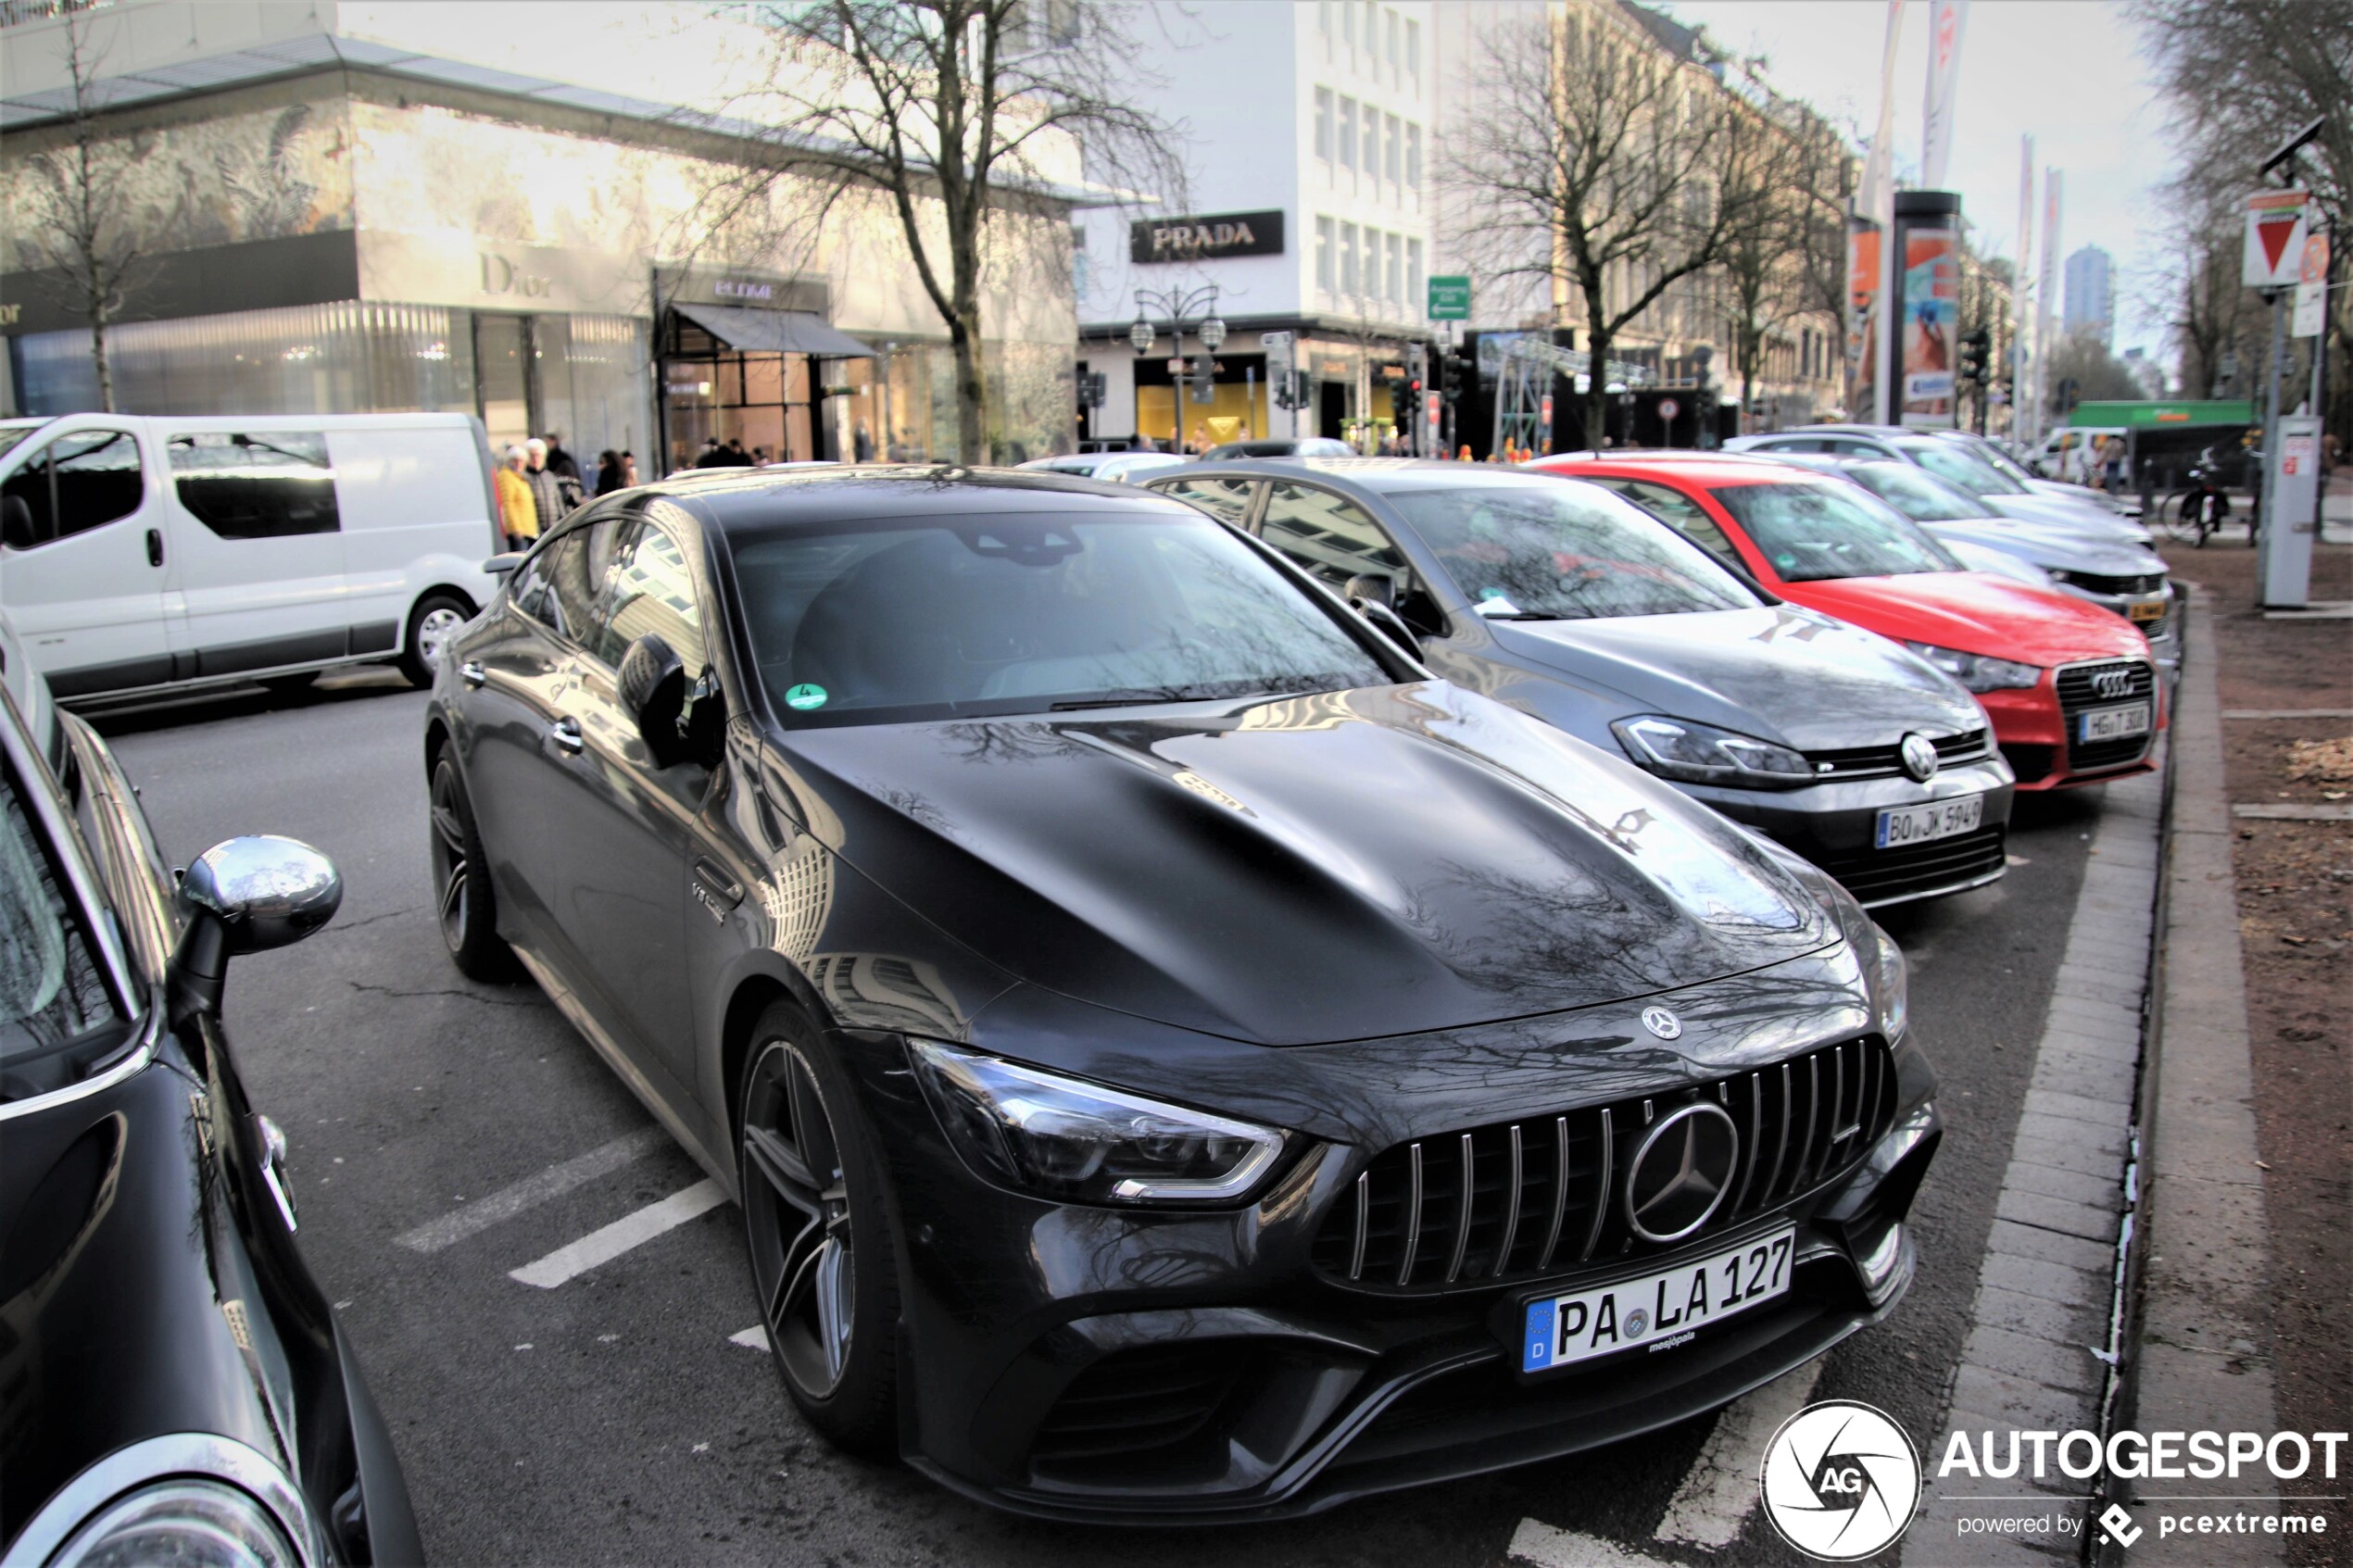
(1206, 236)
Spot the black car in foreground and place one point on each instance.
(174, 1386)
(1177, 1059)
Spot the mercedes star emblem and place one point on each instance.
(1682, 1173)
(1661, 1022)
(1919, 756)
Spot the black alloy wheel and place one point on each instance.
(464, 906)
(821, 1257)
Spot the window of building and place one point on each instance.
(268, 486)
(1348, 133)
(1349, 283)
(81, 482)
(1414, 159)
(1414, 52)
(1412, 274)
(1323, 277)
(1324, 17)
(1393, 149)
(1348, 22)
(1324, 123)
(1393, 53)
(1392, 279)
(1372, 34)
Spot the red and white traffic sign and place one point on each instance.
(2275, 234)
(1669, 409)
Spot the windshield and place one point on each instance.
(1550, 551)
(1915, 492)
(2001, 462)
(1955, 464)
(1025, 614)
(12, 435)
(1813, 530)
(56, 1015)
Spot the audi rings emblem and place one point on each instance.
(1682, 1173)
(2112, 683)
(1918, 754)
(1663, 1024)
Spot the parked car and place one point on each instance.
(146, 553)
(1177, 1059)
(1124, 468)
(1571, 603)
(1957, 460)
(2071, 688)
(2124, 578)
(1280, 447)
(177, 1388)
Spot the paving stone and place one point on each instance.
(2059, 1215)
(2112, 1136)
(2019, 1401)
(2050, 1247)
(2099, 1111)
(2047, 1320)
(2105, 1193)
(2057, 1364)
(2070, 1156)
(2052, 1282)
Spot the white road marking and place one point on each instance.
(532, 1191)
(1548, 1548)
(753, 1338)
(1714, 1500)
(601, 1247)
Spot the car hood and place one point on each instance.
(1978, 612)
(2057, 546)
(2087, 516)
(1302, 870)
(1780, 672)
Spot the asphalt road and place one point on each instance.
(611, 1417)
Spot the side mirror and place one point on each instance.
(1372, 588)
(244, 895)
(1392, 625)
(500, 566)
(651, 686)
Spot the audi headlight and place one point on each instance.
(1083, 1143)
(1978, 671)
(1891, 986)
(187, 1523)
(1695, 753)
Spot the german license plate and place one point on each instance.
(1660, 1311)
(2113, 723)
(2146, 609)
(1901, 825)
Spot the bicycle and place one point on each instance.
(2197, 511)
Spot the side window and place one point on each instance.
(1225, 499)
(1683, 515)
(1329, 536)
(269, 487)
(651, 590)
(562, 584)
(80, 482)
(1796, 446)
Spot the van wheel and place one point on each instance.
(431, 625)
(464, 903)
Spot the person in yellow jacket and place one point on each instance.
(518, 513)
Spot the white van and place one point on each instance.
(144, 552)
(2063, 451)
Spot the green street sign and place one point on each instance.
(1449, 299)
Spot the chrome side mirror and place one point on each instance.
(244, 895)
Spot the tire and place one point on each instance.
(464, 907)
(437, 615)
(817, 1233)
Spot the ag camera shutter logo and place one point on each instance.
(1840, 1481)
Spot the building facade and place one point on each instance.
(497, 209)
(2091, 296)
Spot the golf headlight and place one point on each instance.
(1678, 748)
(1083, 1143)
(1978, 671)
(188, 1522)
(1891, 986)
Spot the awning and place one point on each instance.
(774, 332)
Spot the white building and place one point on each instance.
(1310, 212)
(2091, 294)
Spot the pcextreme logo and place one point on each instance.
(1839, 1480)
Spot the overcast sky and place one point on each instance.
(2067, 71)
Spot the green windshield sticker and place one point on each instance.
(805, 695)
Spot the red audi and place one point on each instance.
(2071, 688)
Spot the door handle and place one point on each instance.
(712, 880)
(473, 673)
(155, 547)
(565, 733)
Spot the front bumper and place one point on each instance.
(2032, 728)
(1835, 826)
(1160, 1367)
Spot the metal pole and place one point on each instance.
(2265, 520)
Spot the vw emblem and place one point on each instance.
(1681, 1174)
(2113, 683)
(1663, 1024)
(1918, 752)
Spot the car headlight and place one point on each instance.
(1083, 1143)
(1890, 985)
(191, 1523)
(1979, 672)
(1680, 749)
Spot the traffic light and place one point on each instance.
(1450, 367)
(1977, 349)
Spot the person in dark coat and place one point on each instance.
(559, 462)
(609, 473)
(713, 455)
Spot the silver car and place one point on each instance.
(1958, 459)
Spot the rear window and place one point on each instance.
(58, 1016)
(1812, 530)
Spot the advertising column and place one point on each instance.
(1928, 296)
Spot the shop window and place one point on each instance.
(80, 482)
(274, 485)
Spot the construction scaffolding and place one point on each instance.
(1524, 366)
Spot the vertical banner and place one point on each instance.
(1863, 269)
(1875, 204)
(2046, 289)
(1945, 19)
(1931, 321)
(2025, 424)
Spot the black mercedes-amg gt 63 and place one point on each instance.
(1177, 1058)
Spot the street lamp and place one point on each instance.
(1141, 334)
(1179, 308)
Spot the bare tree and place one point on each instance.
(1596, 157)
(76, 223)
(959, 116)
(1778, 268)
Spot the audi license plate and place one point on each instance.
(1902, 825)
(2114, 723)
(2146, 609)
(1661, 1310)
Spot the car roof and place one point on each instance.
(1377, 475)
(752, 499)
(1713, 468)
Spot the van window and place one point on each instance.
(76, 482)
(268, 486)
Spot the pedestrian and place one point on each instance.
(760, 456)
(628, 470)
(559, 462)
(552, 494)
(2112, 464)
(518, 511)
(714, 456)
(861, 444)
(1144, 443)
(609, 473)
(737, 456)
